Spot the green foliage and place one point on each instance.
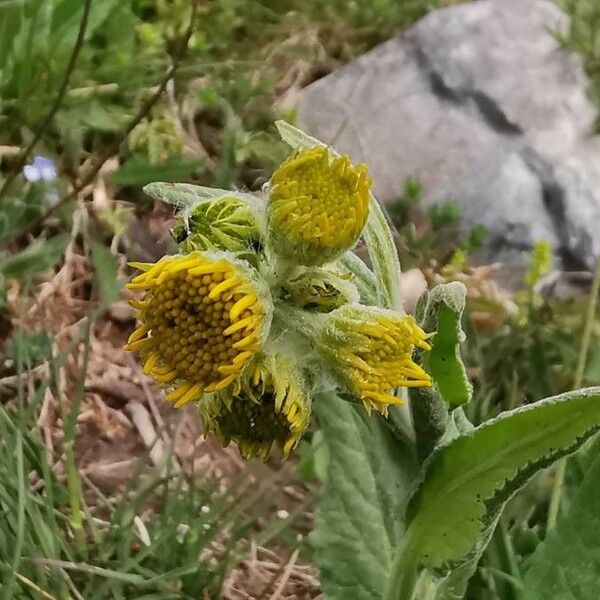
(467, 482)
(139, 171)
(583, 37)
(540, 262)
(443, 315)
(106, 271)
(29, 349)
(185, 195)
(432, 236)
(565, 565)
(440, 312)
(368, 476)
(35, 259)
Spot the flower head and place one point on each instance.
(226, 223)
(203, 317)
(269, 407)
(317, 209)
(370, 349)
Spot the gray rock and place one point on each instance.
(481, 104)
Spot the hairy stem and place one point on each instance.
(430, 418)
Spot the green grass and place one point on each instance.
(583, 37)
(168, 535)
(233, 70)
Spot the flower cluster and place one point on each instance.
(259, 312)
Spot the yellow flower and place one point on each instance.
(269, 407)
(371, 349)
(317, 209)
(203, 317)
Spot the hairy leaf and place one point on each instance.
(187, 195)
(384, 256)
(443, 314)
(566, 564)
(364, 278)
(368, 475)
(467, 482)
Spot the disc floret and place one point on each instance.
(317, 207)
(202, 318)
(370, 349)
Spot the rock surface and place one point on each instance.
(480, 103)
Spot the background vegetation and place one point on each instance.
(103, 491)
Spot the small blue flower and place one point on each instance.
(42, 169)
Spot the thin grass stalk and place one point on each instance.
(559, 478)
(21, 489)
(70, 422)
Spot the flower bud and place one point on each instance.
(317, 208)
(370, 350)
(226, 223)
(268, 406)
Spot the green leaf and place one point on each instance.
(106, 270)
(467, 482)
(443, 314)
(139, 171)
(39, 257)
(296, 138)
(187, 195)
(565, 565)
(368, 475)
(377, 233)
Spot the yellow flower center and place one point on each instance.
(318, 209)
(201, 323)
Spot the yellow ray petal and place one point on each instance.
(193, 392)
(241, 305)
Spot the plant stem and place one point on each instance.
(430, 418)
(403, 575)
(586, 337)
(57, 100)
